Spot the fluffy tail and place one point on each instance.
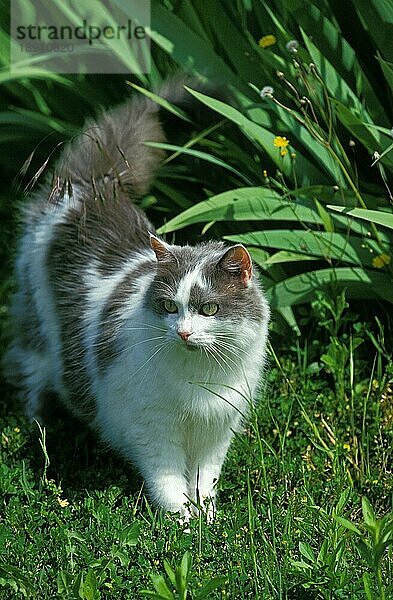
(110, 156)
(110, 152)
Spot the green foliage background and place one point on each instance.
(318, 220)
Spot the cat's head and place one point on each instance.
(207, 296)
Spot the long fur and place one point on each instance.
(113, 320)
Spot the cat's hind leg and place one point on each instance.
(28, 370)
(27, 362)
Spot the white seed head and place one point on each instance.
(266, 92)
(292, 46)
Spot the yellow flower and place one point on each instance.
(280, 141)
(346, 447)
(283, 152)
(267, 40)
(380, 261)
(264, 173)
(63, 503)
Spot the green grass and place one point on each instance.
(305, 499)
(292, 520)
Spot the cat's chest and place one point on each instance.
(175, 380)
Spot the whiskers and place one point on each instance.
(226, 352)
(140, 326)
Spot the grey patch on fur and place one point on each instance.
(107, 349)
(224, 287)
(110, 157)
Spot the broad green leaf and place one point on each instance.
(259, 134)
(161, 101)
(342, 501)
(34, 120)
(307, 551)
(383, 218)
(161, 587)
(183, 572)
(289, 316)
(366, 553)
(378, 15)
(7, 76)
(63, 581)
(170, 572)
(328, 193)
(155, 595)
(337, 86)
(326, 218)
(197, 154)
(243, 204)
(368, 512)
(360, 283)
(283, 256)
(324, 550)
(329, 39)
(329, 246)
(89, 588)
(185, 46)
(387, 68)
(300, 564)
(367, 586)
(17, 575)
(209, 587)
(357, 127)
(130, 534)
(347, 524)
(300, 139)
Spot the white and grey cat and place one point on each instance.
(158, 347)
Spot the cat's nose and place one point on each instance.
(184, 335)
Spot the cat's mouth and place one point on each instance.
(191, 347)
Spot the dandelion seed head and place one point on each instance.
(376, 157)
(292, 46)
(266, 92)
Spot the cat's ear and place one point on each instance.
(161, 249)
(237, 261)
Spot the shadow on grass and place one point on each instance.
(79, 461)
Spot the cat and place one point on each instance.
(158, 347)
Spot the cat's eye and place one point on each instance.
(169, 306)
(209, 309)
